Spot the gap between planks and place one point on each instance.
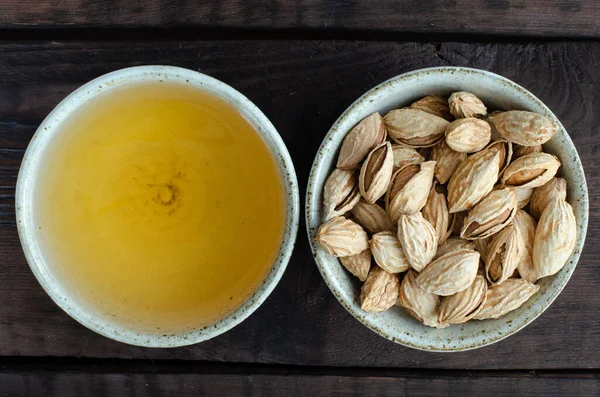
(72, 364)
(217, 33)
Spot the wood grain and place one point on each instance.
(67, 384)
(554, 18)
(302, 86)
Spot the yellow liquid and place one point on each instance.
(161, 207)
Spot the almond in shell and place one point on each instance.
(506, 297)
(364, 137)
(408, 189)
(468, 135)
(376, 172)
(526, 226)
(341, 193)
(553, 189)
(418, 239)
(473, 179)
(525, 128)
(464, 104)
(446, 161)
(404, 155)
(520, 151)
(359, 264)
(504, 254)
(434, 104)
(388, 253)
(436, 213)
(380, 291)
(342, 237)
(504, 149)
(491, 215)
(524, 195)
(453, 244)
(414, 127)
(419, 303)
(371, 217)
(531, 170)
(555, 238)
(451, 273)
(464, 305)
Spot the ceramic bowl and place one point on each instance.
(29, 171)
(496, 92)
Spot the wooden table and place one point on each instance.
(302, 63)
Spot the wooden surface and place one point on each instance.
(554, 18)
(299, 61)
(118, 384)
(302, 87)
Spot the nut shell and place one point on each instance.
(419, 303)
(464, 305)
(524, 128)
(376, 172)
(418, 239)
(434, 104)
(342, 237)
(451, 273)
(473, 180)
(506, 297)
(531, 170)
(388, 254)
(359, 264)
(364, 137)
(371, 217)
(491, 215)
(464, 104)
(341, 193)
(468, 135)
(380, 291)
(553, 189)
(414, 127)
(447, 160)
(555, 238)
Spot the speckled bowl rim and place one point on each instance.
(313, 213)
(49, 127)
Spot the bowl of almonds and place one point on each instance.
(447, 208)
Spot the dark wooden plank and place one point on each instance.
(66, 384)
(302, 87)
(526, 17)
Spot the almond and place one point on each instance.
(376, 172)
(525, 128)
(451, 273)
(359, 264)
(531, 170)
(342, 237)
(464, 104)
(380, 291)
(418, 240)
(506, 297)
(364, 137)
(414, 127)
(468, 135)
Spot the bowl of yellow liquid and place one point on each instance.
(157, 206)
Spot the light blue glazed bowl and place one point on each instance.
(496, 92)
(96, 320)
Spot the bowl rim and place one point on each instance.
(312, 206)
(50, 127)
